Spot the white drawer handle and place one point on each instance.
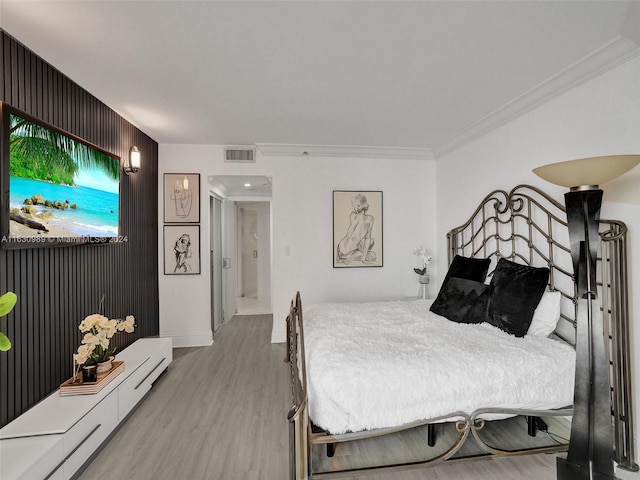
(148, 374)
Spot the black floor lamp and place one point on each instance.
(590, 455)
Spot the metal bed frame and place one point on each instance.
(524, 225)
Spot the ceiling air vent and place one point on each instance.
(240, 154)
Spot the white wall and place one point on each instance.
(597, 118)
(247, 267)
(264, 251)
(302, 224)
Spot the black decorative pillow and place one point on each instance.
(468, 268)
(516, 291)
(463, 301)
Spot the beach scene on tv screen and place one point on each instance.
(59, 188)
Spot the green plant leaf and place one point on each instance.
(7, 302)
(5, 343)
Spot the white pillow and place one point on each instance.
(546, 315)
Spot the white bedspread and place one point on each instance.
(375, 365)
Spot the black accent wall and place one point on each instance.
(58, 287)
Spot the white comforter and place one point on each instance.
(376, 365)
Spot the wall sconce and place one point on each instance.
(132, 163)
(590, 455)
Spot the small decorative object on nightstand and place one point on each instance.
(422, 271)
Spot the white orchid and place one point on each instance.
(425, 260)
(82, 355)
(128, 325)
(98, 331)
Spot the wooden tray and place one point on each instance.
(91, 388)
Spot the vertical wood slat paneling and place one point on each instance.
(57, 287)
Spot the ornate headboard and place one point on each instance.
(527, 226)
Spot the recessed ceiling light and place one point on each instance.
(247, 185)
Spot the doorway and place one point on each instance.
(252, 192)
(253, 257)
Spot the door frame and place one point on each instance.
(215, 261)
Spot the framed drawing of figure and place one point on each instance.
(357, 229)
(181, 198)
(182, 249)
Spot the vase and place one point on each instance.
(89, 373)
(423, 281)
(104, 367)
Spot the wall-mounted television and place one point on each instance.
(57, 189)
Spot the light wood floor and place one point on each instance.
(252, 306)
(219, 413)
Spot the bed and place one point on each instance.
(363, 361)
(366, 370)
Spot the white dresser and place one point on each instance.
(55, 438)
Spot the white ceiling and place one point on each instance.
(238, 186)
(419, 78)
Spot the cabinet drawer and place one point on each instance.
(131, 391)
(87, 435)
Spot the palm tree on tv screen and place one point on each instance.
(40, 153)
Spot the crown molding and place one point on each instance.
(291, 150)
(616, 52)
(602, 60)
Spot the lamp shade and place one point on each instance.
(590, 171)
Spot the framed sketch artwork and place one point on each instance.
(181, 198)
(357, 229)
(182, 249)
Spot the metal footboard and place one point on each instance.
(299, 427)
